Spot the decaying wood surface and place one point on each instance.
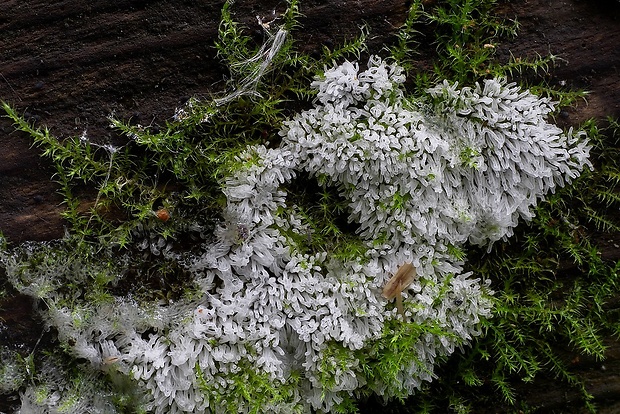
(70, 64)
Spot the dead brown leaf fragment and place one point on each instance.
(401, 280)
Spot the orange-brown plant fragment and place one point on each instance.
(401, 280)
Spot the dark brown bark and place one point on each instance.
(68, 65)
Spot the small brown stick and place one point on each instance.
(399, 282)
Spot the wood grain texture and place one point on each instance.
(69, 64)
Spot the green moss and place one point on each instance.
(552, 290)
(551, 282)
(256, 391)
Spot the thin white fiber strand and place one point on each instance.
(265, 56)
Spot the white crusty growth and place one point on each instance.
(462, 165)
